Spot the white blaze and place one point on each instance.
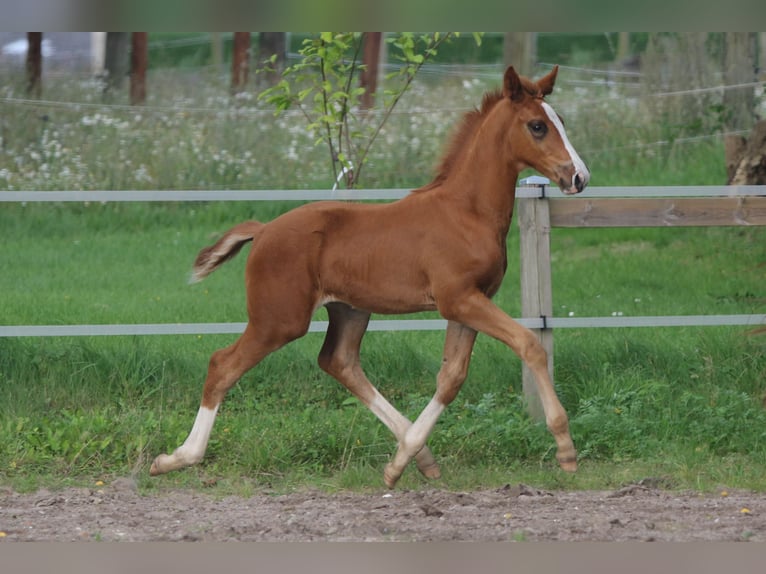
(578, 163)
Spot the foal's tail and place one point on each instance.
(211, 258)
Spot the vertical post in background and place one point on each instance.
(97, 52)
(369, 75)
(116, 62)
(520, 51)
(34, 63)
(216, 51)
(740, 51)
(240, 61)
(761, 62)
(271, 45)
(139, 57)
(535, 270)
(623, 47)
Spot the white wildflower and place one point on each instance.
(142, 174)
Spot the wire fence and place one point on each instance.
(620, 83)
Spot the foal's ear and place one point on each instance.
(512, 87)
(546, 82)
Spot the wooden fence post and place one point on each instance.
(535, 270)
(116, 61)
(34, 63)
(139, 57)
(240, 61)
(369, 76)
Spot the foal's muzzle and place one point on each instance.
(579, 180)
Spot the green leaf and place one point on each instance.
(303, 93)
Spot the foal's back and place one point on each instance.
(382, 258)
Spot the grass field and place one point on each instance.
(683, 403)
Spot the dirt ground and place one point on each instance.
(639, 512)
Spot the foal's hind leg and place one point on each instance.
(225, 369)
(340, 358)
(457, 355)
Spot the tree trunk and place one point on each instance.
(139, 57)
(739, 68)
(272, 44)
(520, 51)
(623, 47)
(369, 75)
(216, 48)
(746, 158)
(762, 52)
(116, 61)
(34, 63)
(240, 63)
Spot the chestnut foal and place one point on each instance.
(442, 247)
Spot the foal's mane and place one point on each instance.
(466, 129)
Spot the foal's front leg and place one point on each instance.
(482, 314)
(457, 354)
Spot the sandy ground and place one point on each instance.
(640, 512)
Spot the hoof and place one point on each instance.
(432, 471)
(158, 467)
(389, 478)
(568, 464)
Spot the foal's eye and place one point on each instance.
(537, 128)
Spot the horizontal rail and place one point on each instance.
(201, 328)
(201, 195)
(522, 192)
(658, 212)
(379, 325)
(647, 191)
(657, 321)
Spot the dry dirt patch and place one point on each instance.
(639, 513)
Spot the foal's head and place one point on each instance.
(536, 136)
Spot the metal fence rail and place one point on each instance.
(533, 190)
(99, 330)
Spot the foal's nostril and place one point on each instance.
(578, 182)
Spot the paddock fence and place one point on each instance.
(539, 208)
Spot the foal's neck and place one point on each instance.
(485, 181)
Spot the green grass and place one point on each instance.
(684, 404)
(681, 402)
